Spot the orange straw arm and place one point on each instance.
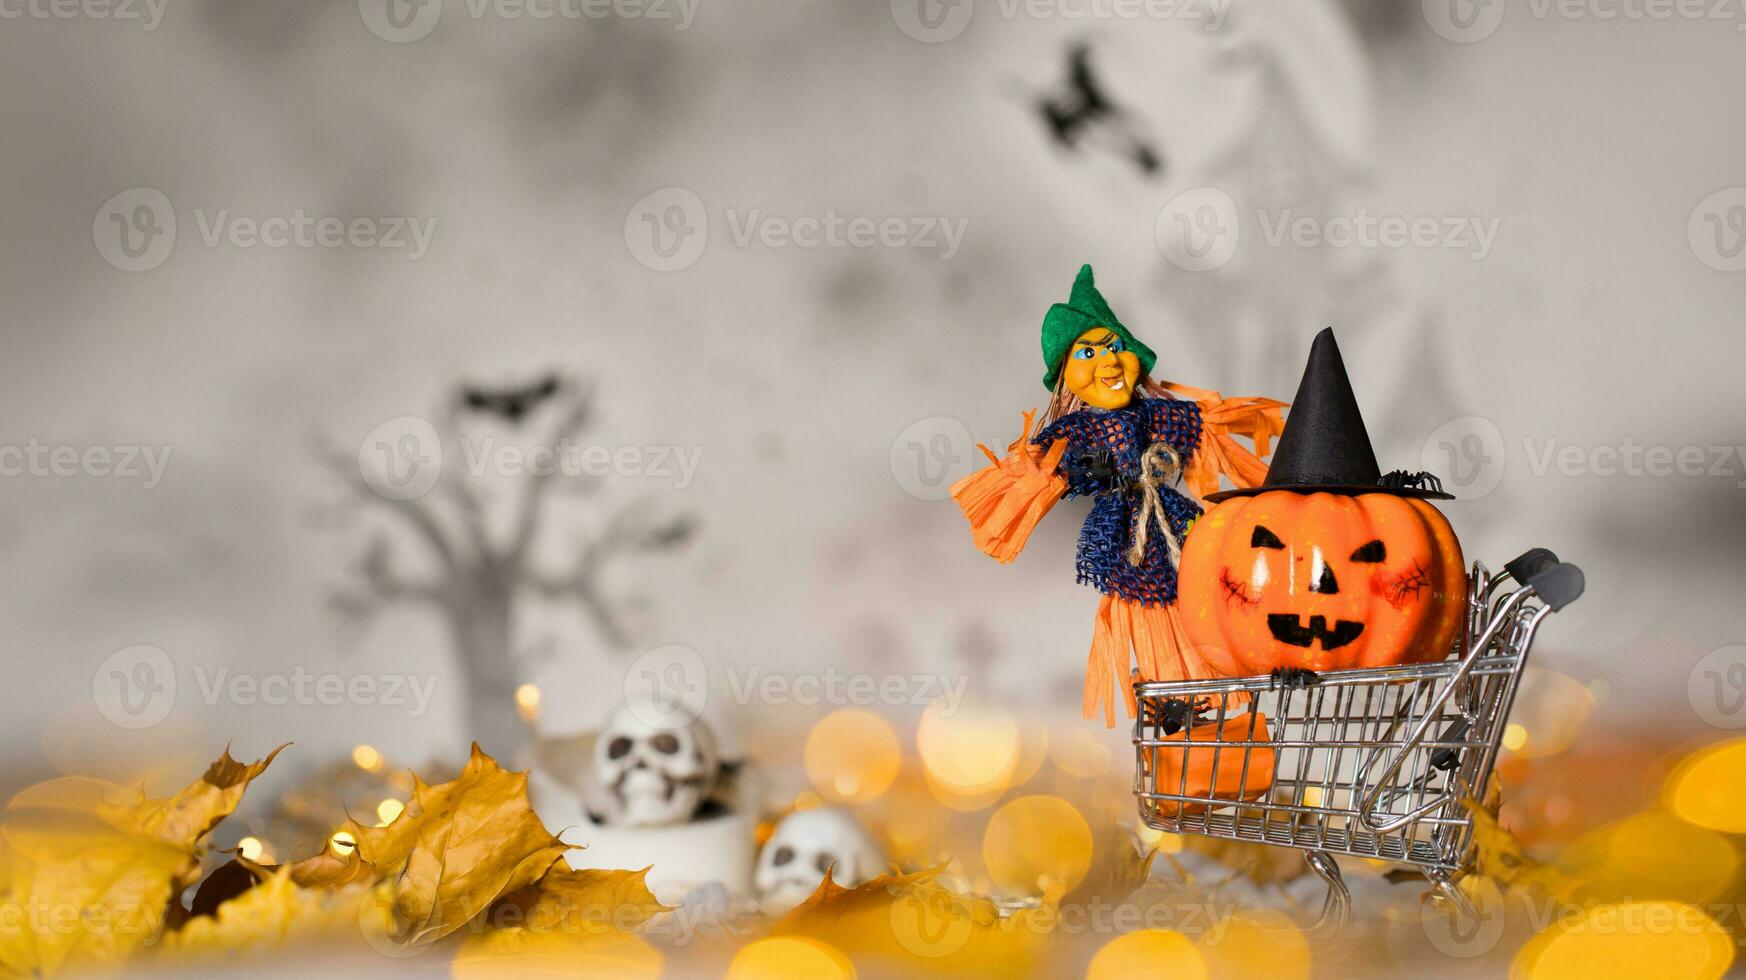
(1004, 502)
(1260, 420)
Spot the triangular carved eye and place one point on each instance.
(1371, 553)
(1263, 538)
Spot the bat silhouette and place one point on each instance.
(1084, 111)
(510, 404)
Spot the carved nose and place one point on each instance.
(1326, 584)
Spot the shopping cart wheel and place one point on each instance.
(1448, 891)
(1337, 907)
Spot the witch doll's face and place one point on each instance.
(1101, 370)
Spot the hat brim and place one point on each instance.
(1343, 490)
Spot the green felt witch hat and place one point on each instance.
(1084, 309)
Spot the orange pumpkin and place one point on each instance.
(1321, 581)
(1188, 771)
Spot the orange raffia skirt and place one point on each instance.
(1160, 651)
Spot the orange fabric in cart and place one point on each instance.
(1201, 744)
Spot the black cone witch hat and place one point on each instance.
(1325, 447)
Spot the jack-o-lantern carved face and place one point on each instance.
(1321, 581)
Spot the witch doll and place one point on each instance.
(1114, 434)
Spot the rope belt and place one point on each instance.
(1159, 467)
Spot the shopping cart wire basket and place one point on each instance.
(1373, 763)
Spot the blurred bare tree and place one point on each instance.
(476, 577)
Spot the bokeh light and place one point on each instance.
(914, 821)
(251, 848)
(527, 702)
(1257, 943)
(1077, 752)
(1633, 939)
(1037, 844)
(1157, 840)
(1709, 787)
(1148, 953)
(790, 957)
(387, 810)
(970, 749)
(1652, 855)
(1549, 713)
(366, 757)
(970, 756)
(852, 756)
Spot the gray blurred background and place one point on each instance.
(586, 183)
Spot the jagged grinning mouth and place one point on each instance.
(668, 785)
(1288, 628)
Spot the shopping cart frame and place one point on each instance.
(1374, 763)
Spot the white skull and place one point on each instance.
(806, 844)
(648, 775)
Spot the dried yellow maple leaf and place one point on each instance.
(1499, 856)
(96, 867)
(191, 814)
(458, 847)
(329, 869)
(570, 901)
(266, 917)
(1118, 868)
(913, 923)
(569, 923)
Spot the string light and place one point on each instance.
(367, 758)
(527, 702)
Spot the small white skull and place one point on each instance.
(648, 775)
(807, 843)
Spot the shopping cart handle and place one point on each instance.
(1558, 586)
(1556, 583)
(1530, 563)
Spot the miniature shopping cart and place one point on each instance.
(1373, 762)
